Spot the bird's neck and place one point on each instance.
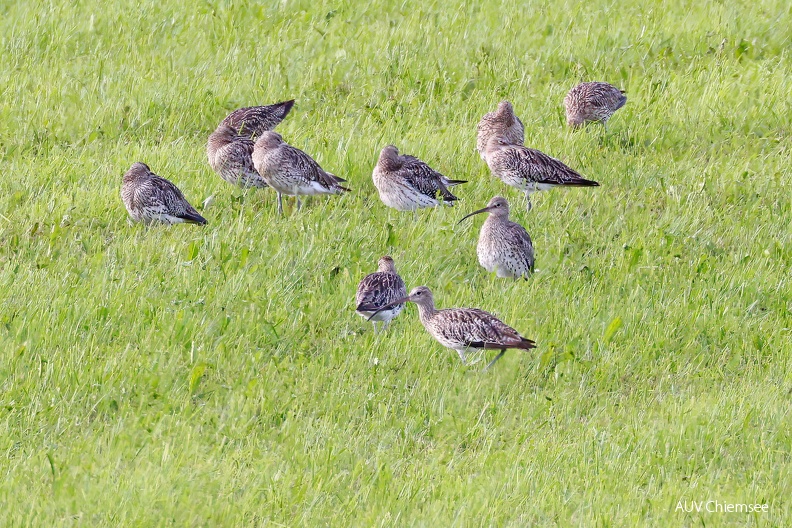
(426, 312)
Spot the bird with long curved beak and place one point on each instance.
(504, 246)
(529, 170)
(463, 329)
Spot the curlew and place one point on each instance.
(291, 171)
(592, 101)
(149, 198)
(230, 157)
(255, 120)
(464, 329)
(503, 246)
(230, 146)
(530, 170)
(379, 289)
(501, 122)
(408, 184)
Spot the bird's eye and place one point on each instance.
(417, 293)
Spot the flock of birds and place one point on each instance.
(245, 151)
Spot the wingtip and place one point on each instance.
(456, 182)
(287, 106)
(528, 344)
(194, 218)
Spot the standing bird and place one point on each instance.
(255, 120)
(379, 289)
(230, 146)
(149, 198)
(503, 246)
(408, 184)
(592, 101)
(291, 171)
(464, 329)
(530, 170)
(501, 122)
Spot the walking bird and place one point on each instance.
(503, 246)
(291, 171)
(592, 101)
(230, 146)
(502, 122)
(464, 329)
(379, 289)
(408, 184)
(149, 198)
(530, 170)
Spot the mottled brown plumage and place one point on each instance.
(592, 101)
(251, 121)
(230, 146)
(504, 247)
(465, 329)
(149, 198)
(406, 183)
(230, 157)
(379, 289)
(291, 171)
(502, 122)
(530, 170)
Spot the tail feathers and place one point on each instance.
(621, 101)
(448, 197)
(342, 189)
(193, 217)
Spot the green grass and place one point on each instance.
(219, 376)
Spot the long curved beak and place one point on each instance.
(485, 210)
(390, 305)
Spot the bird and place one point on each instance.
(291, 171)
(149, 198)
(592, 101)
(530, 170)
(378, 289)
(463, 329)
(254, 120)
(502, 121)
(230, 156)
(407, 184)
(230, 146)
(503, 246)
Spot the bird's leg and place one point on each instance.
(462, 356)
(374, 324)
(280, 203)
(494, 360)
(385, 325)
(528, 204)
(299, 203)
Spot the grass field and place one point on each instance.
(218, 376)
